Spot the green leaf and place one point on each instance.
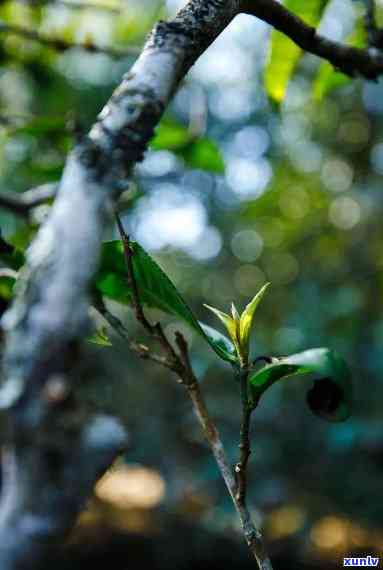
(247, 317)
(328, 78)
(42, 126)
(284, 53)
(197, 152)
(155, 290)
(11, 256)
(170, 136)
(227, 320)
(7, 282)
(231, 324)
(100, 337)
(204, 154)
(220, 341)
(331, 395)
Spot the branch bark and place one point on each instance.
(22, 203)
(49, 469)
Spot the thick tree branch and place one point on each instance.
(50, 313)
(31, 520)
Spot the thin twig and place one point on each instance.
(116, 324)
(187, 378)
(244, 442)
(180, 364)
(252, 534)
(22, 203)
(61, 45)
(154, 330)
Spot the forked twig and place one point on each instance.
(179, 363)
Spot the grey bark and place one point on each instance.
(53, 453)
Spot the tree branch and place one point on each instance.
(22, 203)
(50, 312)
(350, 60)
(64, 45)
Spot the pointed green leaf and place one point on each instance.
(231, 324)
(248, 316)
(155, 290)
(100, 337)
(284, 53)
(331, 395)
(221, 343)
(227, 320)
(234, 312)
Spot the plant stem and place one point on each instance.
(179, 362)
(244, 441)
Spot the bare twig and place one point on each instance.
(141, 349)
(64, 45)
(22, 203)
(187, 378)
(180, 364)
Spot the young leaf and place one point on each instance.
(331, 395)
(284, 53)
(100, 337)
(247, 317)
(220, 341)
(155, 290)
